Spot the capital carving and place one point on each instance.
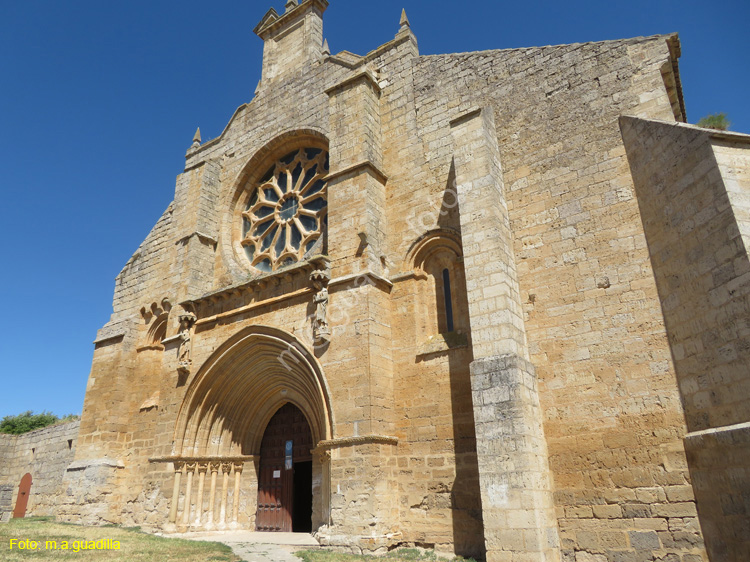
(323, 455)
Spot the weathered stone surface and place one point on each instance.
(523, 295)
(45, 454)
(692, 189)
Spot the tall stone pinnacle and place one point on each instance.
(197, 137)
(404, 20)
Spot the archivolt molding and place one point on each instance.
(431, 243)
(239, 388)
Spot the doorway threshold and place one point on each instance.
(253, 537)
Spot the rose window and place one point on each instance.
(285, 216)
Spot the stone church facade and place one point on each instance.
(493, 302)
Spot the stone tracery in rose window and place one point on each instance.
(286, 213)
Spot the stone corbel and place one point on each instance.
(323, 456)
(155, 310)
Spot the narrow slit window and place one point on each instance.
(448, 303)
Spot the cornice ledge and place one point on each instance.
(101, 462)
(346, 59)
(363, 166)
(319, 261)
(272, 21)
(729, 136)
(405, 276)
(465, 116)
(442, 343)
(401, 37)
(205, 238)
(150, 347)
(167, 341)
(718, 431)
(352, 441)
(366, 277)
(179, 458)
(109, 338)
(253, 306)
(363, 75)
(113, 331)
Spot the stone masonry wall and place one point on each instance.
(143, 269)
(7, 443)
(612, 415)
(691, 185)
(45, 454)
(593, 318)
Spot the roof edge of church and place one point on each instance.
(627, 41)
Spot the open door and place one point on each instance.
(285, 476)
(24, 489)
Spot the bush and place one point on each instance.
(29, 421)
(716, 121)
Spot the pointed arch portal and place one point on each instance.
(261, 382)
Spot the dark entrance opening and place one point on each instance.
(285, 474)
(302, 515)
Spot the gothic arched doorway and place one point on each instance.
(285, 473)
(257, 373)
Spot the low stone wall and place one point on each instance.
(45, 454)
(6, 502)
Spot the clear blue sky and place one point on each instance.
(100, 100)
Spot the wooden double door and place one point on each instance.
(285, 474)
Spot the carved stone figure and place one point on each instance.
(320, 330)
(186, 325)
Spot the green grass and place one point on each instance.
(134, 545)
(401, 555)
